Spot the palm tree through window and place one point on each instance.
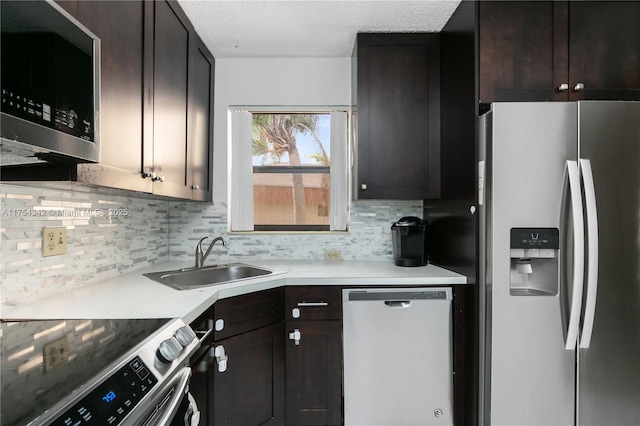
(291, 171)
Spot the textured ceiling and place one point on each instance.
(306, 28)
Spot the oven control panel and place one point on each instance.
(110, 402)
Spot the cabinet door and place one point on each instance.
(558, 51)
(314, 373)
(170, 97)
(518, 60)
(200, 131)
(201, 386)
(604, 49)
(251, 390)
(119, 24)
(398, 113)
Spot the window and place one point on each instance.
(289, 170)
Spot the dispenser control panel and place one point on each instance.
(535, 238)
(534, 262)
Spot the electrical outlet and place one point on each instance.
(54, 240)
(56, 353)
(332, 254)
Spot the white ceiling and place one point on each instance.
(306, 28)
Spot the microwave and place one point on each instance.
(50, 83)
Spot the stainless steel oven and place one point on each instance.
(97, 372)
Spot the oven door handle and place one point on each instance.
(202, 335)
(180, 386)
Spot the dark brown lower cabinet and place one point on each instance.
(250, 391)
(201, 386)
(314, 373)
(270, 380)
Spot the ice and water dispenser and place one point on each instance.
(534, 262)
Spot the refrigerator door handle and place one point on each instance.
(592, 255)
(572, 176)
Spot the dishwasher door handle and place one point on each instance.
(397, 303)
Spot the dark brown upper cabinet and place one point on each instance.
(165, 153)
(120, 26)
(156, 112)
(396, 98)
(200, 121)
(604, 50)
(177, 150)
(558, 51)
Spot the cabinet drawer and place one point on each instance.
(313, 303)
(248, 312)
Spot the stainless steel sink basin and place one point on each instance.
(187, 279)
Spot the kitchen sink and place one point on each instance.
(190, 278)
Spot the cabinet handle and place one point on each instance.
(563, 87)
(295, 312)
(148, 175)
(158, 178)
(363, 186)
(579, 87)
(219, 324)
(295, 336)
(202, 335)
(195, 187)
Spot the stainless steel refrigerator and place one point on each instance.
(559, 198)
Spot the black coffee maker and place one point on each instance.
(410, 241)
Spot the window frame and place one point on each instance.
(241, 157)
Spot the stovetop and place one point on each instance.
(43, 362)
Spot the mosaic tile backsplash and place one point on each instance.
(369, 237)
(109, 235)
(106, 236)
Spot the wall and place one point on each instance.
(272, 82)
(107, 235)
(103, 245)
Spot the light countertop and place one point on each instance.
(134, 296)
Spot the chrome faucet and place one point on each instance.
(200, 257)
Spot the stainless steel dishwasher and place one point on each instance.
(397, 356)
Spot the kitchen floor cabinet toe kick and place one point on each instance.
(275, 357)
